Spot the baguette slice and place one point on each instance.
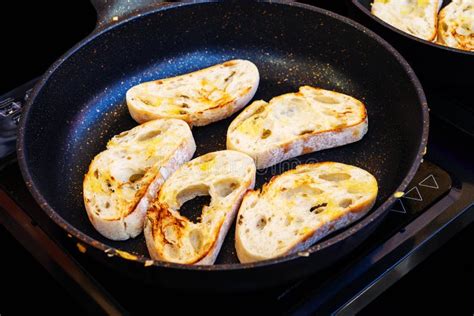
(225, 176)
(301, 206)
(416, 17)
(199, 98)
(123, 179)
(456, 25)
(297, 123)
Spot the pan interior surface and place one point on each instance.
(81, 106)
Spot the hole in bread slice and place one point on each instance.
(192, 209)
(196, 206)
(192, 200)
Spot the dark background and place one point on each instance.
(36, 33)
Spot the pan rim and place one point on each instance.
(141, 259)
(363, 9)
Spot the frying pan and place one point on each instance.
(436, 65)
(79, 104)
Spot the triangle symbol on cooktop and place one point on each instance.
(429, 182)
(413, 194)
(398, 207)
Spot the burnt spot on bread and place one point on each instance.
(259, 110)
(109, 185)
(96, 173)
(240, 220)
(261, 223)
(306, 131)
(230, 76)
(168, 227)
(136, 176)
(266, 133)
(286, 147)
(229, 63)
(318, 208)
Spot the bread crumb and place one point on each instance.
(81, 248)
(398, 194)
(126, 255)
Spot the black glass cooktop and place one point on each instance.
(435, 206)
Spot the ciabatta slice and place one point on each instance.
(301, 206)
(123, 179)
(297, 123)
(200, 97)
(225, 176)
(456, 25)
(416, 17)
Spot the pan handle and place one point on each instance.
(113, 11)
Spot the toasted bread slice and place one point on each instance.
(416, 17)
(456, 25)
(123, 179)
(297, 123)
(301, 206)
(225, 176)
(200, 97)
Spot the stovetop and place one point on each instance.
(437, 204)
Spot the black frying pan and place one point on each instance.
(79, 104)
(438, 65)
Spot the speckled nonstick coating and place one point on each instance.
(79, 105)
